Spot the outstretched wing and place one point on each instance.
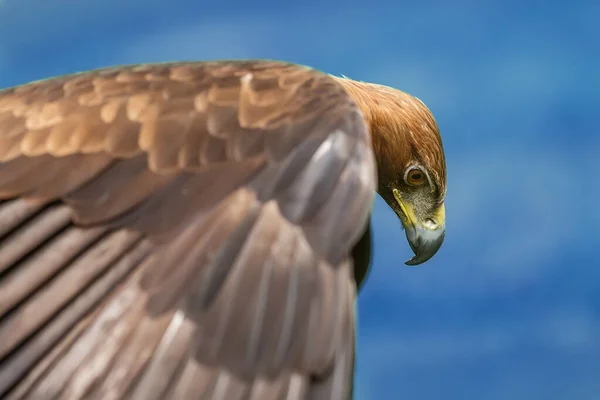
(215, 206)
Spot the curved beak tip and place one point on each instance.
(425, 243)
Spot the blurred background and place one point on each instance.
(510, 307)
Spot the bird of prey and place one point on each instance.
(200, 230)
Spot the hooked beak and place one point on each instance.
(425, 237)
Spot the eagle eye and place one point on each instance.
(415, 176)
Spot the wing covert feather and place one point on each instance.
(215, 207)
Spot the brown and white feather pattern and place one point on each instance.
(180, 231)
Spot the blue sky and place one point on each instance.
(510, 307)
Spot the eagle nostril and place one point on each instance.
(430, 223)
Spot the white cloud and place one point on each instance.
(279, 35)
(511, 359)
(295, 35)
(562, 331)
(212, 40)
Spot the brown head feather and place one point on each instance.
(403, 132)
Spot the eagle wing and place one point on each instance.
(178, 231)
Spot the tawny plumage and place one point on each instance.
(200, 230)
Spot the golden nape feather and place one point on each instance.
(199, 229)
(395, 119)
